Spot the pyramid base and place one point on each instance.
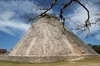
(44, 59)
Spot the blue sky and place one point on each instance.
(13, 25)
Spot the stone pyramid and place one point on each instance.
(46, 42)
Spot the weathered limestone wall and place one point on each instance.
(46, 41)
(43, 59)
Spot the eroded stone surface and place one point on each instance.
(46, 39)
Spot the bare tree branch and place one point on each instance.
(84, 27)
(64, 6)
(54, 2)
(42, 14)
(87, 21)
(61, 13)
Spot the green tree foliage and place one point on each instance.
(2, 51)
(95, 47)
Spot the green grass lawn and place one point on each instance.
(85, 62)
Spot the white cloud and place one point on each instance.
(18, 6)
(38, 10)
(80, 15)
(98, 36)
(12, 9)
(6, 15)
(12, 26)
(7, 31)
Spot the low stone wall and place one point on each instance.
(43, 59)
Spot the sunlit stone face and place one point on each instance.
(47, 38)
